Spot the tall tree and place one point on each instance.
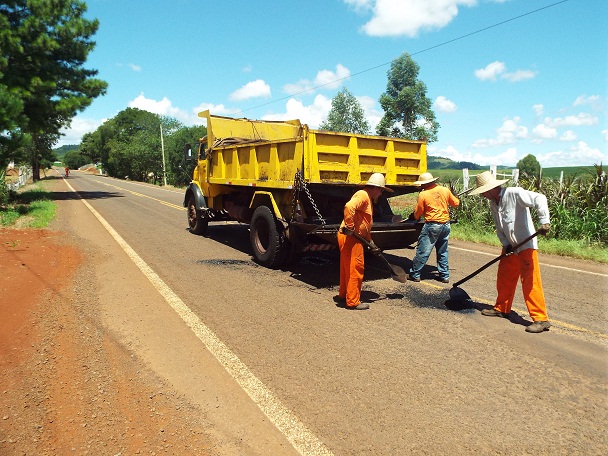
(179, 171)
(45, 44)
(346, 115)
(407, 109)
(529, 166)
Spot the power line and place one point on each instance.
(415, 53)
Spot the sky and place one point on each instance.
(506, 78)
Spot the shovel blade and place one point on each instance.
(458, 294)
(398, 274)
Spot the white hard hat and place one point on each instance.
(425, 178)
(377, 180)
(485, 182)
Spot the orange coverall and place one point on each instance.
(358, 215)
(511, 268)
(513, 223)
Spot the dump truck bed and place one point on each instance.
(246, 152)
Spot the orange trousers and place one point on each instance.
(511, 268)
(351, 269)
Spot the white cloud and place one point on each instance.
(442, 104)
(78, 128)
(578, 155)
(134, 67)
(407, 17)
(585, 100)
(495, 70)
(544, 132)
(509, 157)
(510, 130)
(568, 136)
(360, 6)
(538, 109)
(507, 133)
(373, 115)
(447, 152)
(605, 135)
(325, 79)
(519, 75)
(312, 115)
(253, 89)
(582, 119)
(163, 107)
(491, 71)
(219, 110)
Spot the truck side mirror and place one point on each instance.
(188, 152)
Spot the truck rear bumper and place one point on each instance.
(387, 236)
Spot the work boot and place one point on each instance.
(444, 280)
(414, 279)
(494, 313)
(538, 327)
(362, 306)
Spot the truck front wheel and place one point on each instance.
(267, 241)
(197, 223)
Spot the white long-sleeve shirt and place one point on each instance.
(513, 219)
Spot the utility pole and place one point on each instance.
(162, 147)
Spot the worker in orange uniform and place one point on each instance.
(511, 210)
(67, 171)
(358, 216)
(433, 204)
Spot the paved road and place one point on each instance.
(407, 376)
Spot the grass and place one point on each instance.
(30, 208)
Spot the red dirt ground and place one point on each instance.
(66, 387)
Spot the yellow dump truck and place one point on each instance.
(290, 183)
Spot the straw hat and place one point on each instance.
(485, 182)
(377, 180)
(425, 178)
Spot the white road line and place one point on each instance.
(543, 264)
(302, 439)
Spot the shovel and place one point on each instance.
(397, 273)
(458, 294)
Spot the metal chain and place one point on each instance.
(299, 184)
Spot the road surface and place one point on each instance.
(295, 374)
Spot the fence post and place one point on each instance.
(465, 178)
(515, 176)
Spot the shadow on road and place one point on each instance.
(321, 270)
(59, 196)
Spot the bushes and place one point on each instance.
(578, 208)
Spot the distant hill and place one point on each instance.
(446, 163)
(61, 151)
(450, 169)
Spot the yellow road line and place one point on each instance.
(174, 206)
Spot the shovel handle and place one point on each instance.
(350, 232)
(487, 265)
(464, 192)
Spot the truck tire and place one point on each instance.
(197, 223)
(267, 242)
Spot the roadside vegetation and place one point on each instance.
(578, 207)
(31, 208)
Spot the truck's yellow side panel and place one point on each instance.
(272, 152)
(344, 158)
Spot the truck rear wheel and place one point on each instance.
(267, 242)
(197, 223)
